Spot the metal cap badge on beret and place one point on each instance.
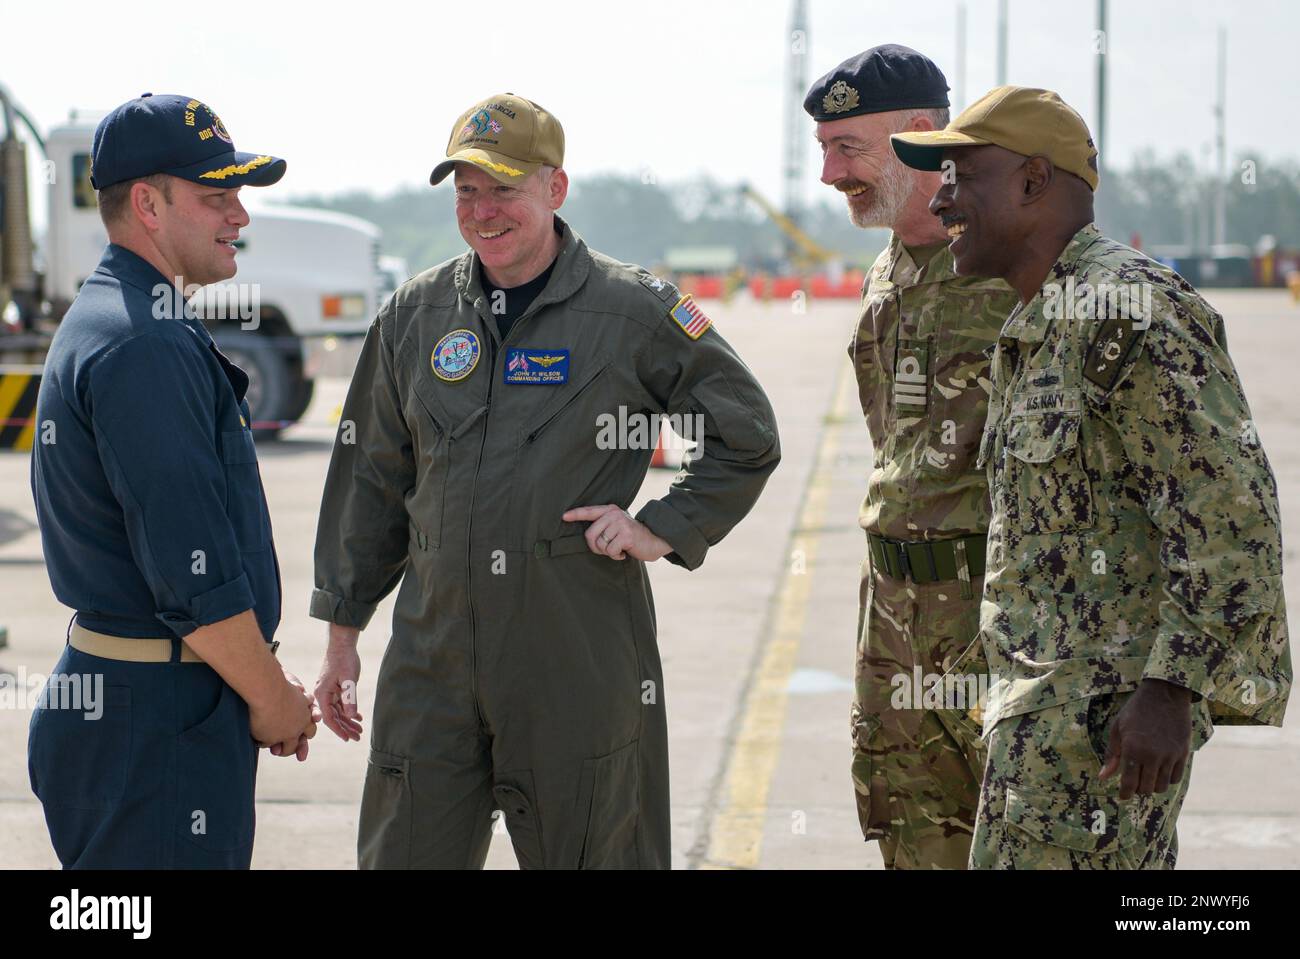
(176, 135)
(506, 136)
(884, 78)
(1024, 120)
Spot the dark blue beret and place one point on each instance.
(884, 78)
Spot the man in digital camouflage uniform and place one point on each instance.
(1134, 588)
(920, 354)
(473, 465)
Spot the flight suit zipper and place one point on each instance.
(490, 324)
(469, 541)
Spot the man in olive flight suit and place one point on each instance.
(920, 352)
(493, 434)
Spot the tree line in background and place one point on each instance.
(1165, 203)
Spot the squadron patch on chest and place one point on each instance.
(540, 367)
(456, 355)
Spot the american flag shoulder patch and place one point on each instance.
(690, 317)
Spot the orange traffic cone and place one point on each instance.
(659, 459)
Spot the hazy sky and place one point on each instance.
(364, 95)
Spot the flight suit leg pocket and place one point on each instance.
(384, 838)
(216, 771)
(523, 824)
(610, 792)
(870, 786)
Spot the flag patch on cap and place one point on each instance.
(690, 317)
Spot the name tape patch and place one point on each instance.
(540, 367)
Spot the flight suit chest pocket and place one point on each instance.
(244, 504)
(581, 392)
(1048, 488)
(426, 504)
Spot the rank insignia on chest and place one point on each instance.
(456, 355)
(540, 367)
(690, 317)
(910, 379)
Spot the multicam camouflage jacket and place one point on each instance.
(921, 355)
(1135, 530)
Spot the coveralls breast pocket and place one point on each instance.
(244, 503)
(1048, 489)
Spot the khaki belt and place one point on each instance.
(928, 562)
(127, 649)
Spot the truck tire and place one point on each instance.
(269, 385)
(300, 398)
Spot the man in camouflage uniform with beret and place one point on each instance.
(1134, 588)
(920, 354)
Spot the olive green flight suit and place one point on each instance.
(523, 673)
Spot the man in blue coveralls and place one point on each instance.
(154, 522)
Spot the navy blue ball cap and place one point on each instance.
(176, 135)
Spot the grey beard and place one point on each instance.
(890, 196)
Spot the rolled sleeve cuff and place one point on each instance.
(228, 599)
(333, 608)
(688, 543)
(1180, 670)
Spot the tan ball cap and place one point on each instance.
(506, 136)
(1024, 120)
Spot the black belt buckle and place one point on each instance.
(934, 567)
